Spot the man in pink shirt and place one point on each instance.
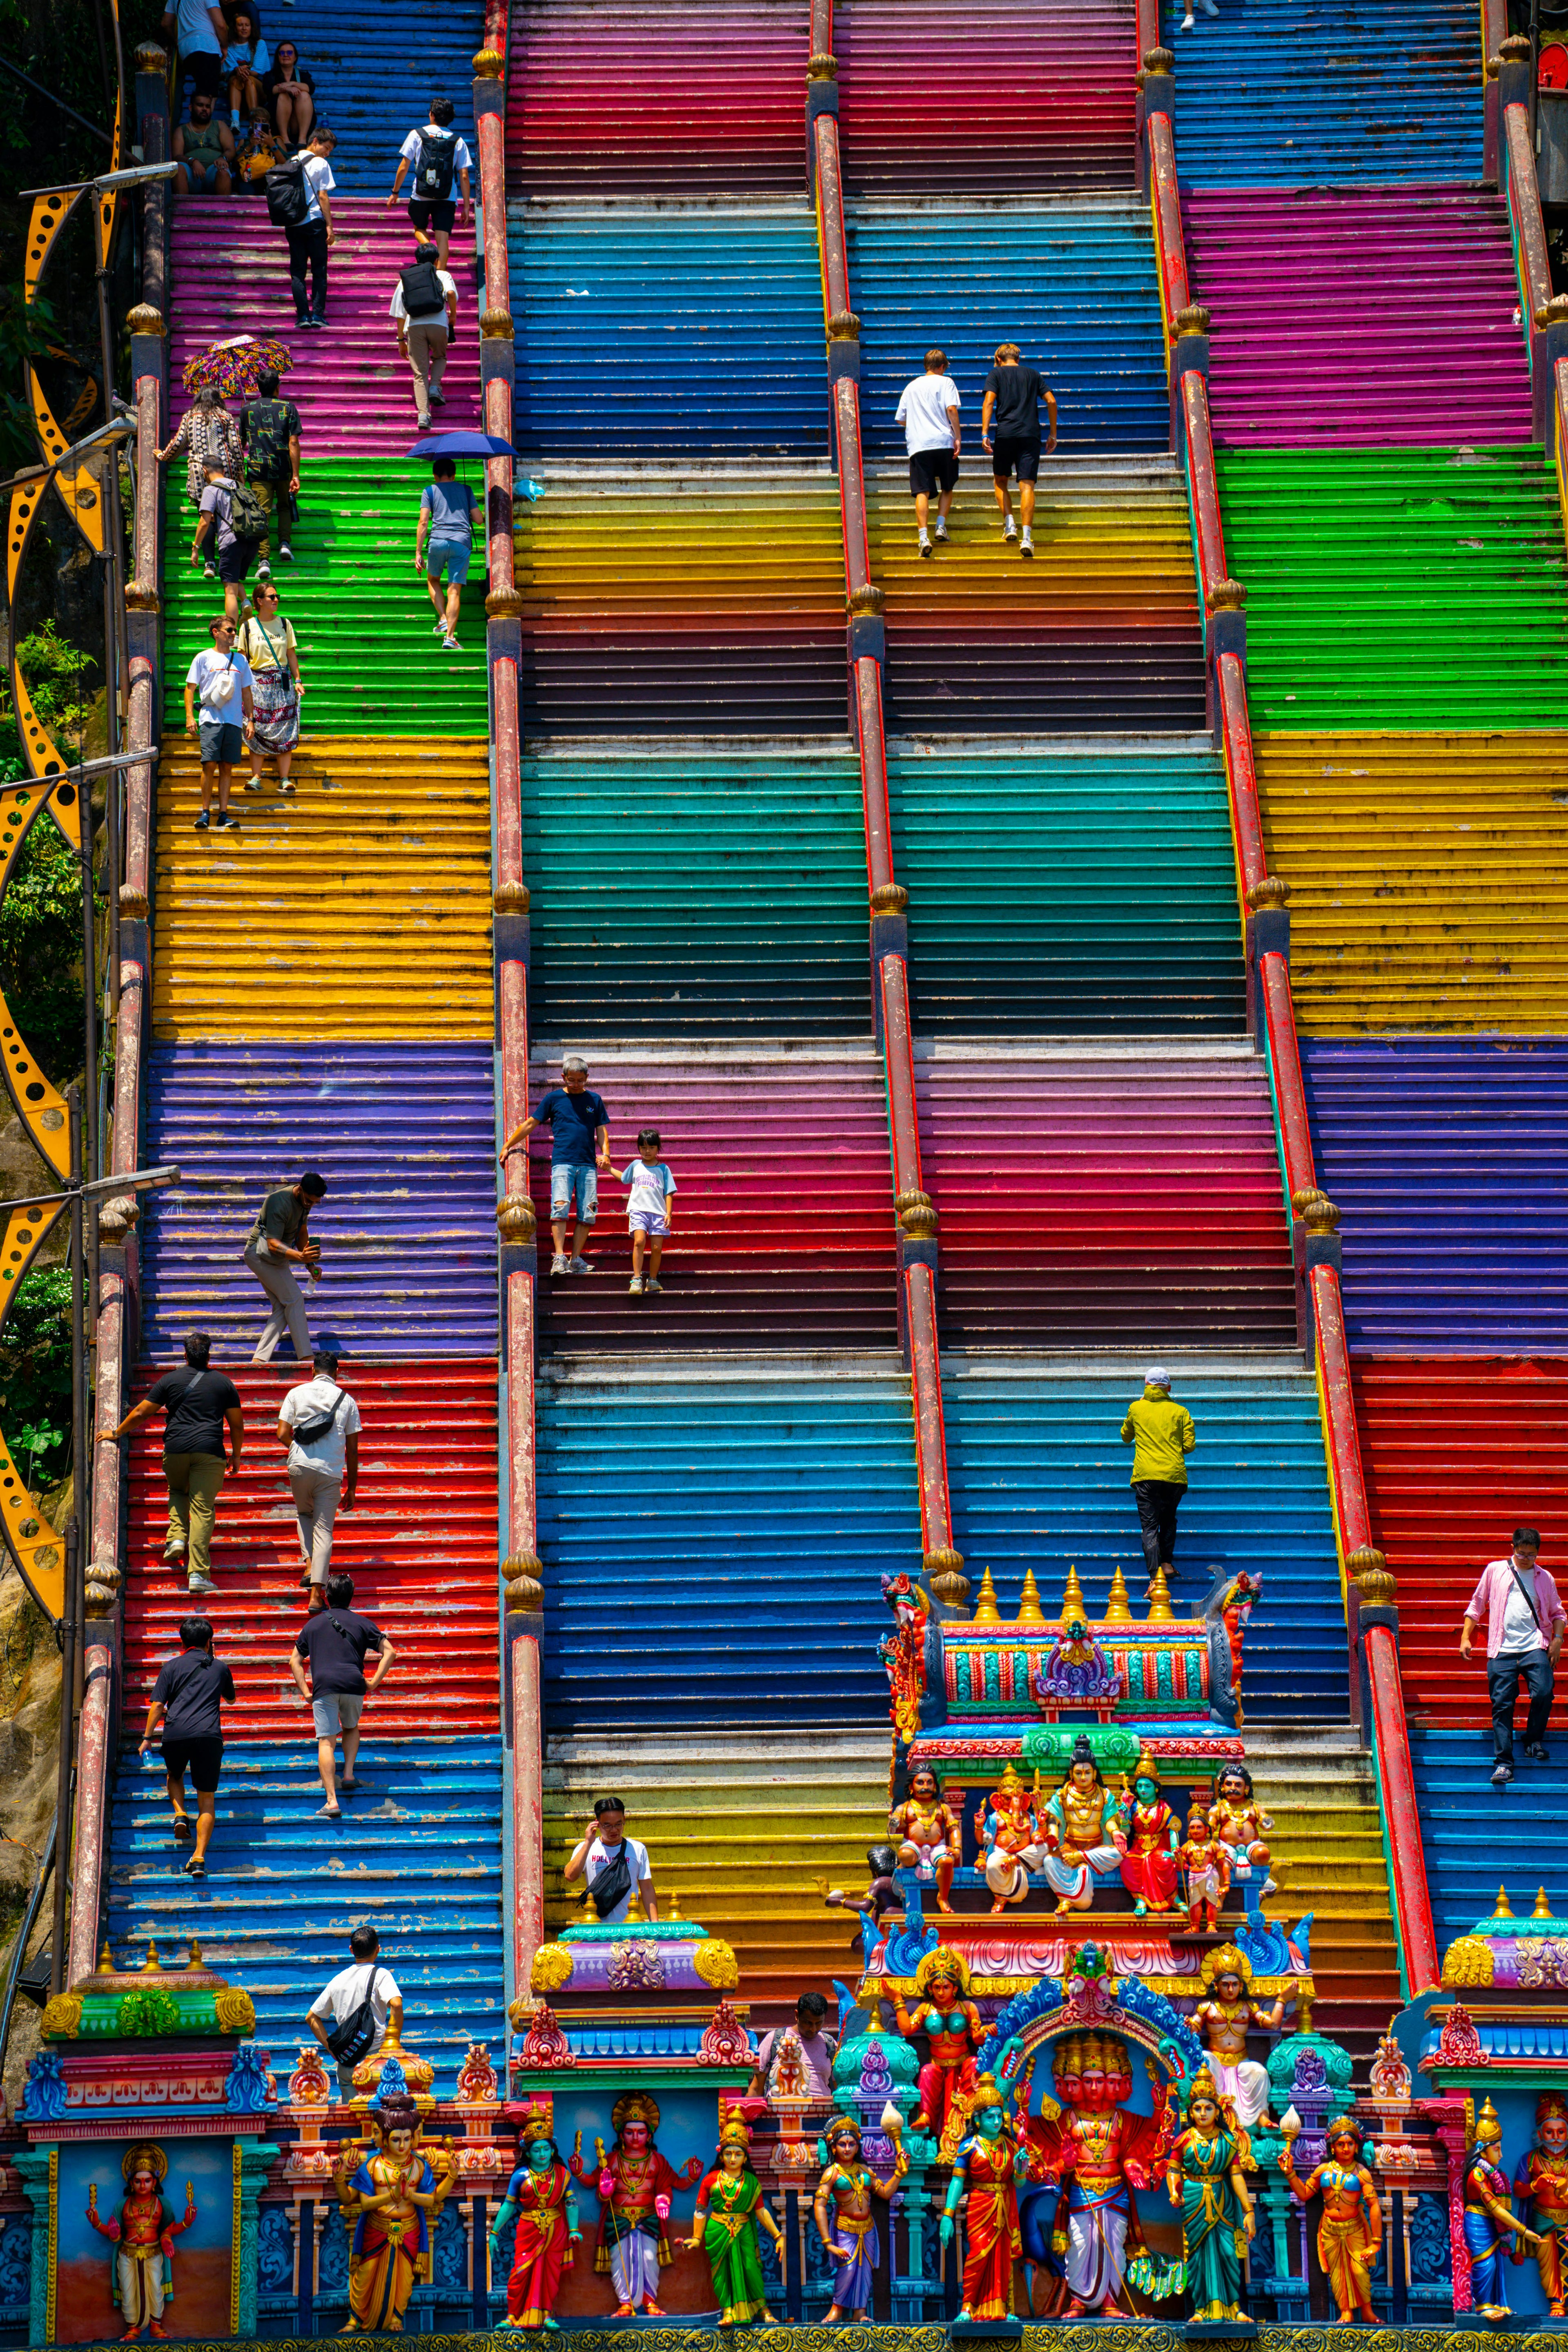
(1518, 1603)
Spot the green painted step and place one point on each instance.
(1081, 892)
(1399, 588)
(361, 612)
(714, 890)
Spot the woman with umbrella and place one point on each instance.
(266, 641)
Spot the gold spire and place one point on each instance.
(985, 1610)
(1543, 1908)
(152, 1960)
(1502, 1909)
(1073, 1602)
(672, 1906)
(1160, 1609)
(1029, 1610)
(195, 1960)
(106, 1960)
(1118, 1606)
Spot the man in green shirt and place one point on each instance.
(279, 1241)
(1161, 1431)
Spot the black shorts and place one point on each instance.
(233, 561)
(931, 470)
(433, 212)
(1006, 452)
(202, 1758)
(206, 71)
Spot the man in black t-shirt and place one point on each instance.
(334, 1642)
(188, 1695)
(270, 430)
(1010, 429)
(198, 1402)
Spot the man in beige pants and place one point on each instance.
(319, 1423)
(279, 1241)
(424, 308)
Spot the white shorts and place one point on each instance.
(645, 1221)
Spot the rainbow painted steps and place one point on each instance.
(1477, 1837)
(782, 1224)
(1040, 1479)
(1445, 1157)
(1073, 281)
(374, 82)
(404, 1134)
(645, 305)
(1109, 1196)
(369, 663)
(1429, 878)
(375, 875)
(1098, 634)
(1385, 586)
(742, 1513)
(610, 96)
(697, 890)
(699, 600)
(743, 1829)
(1120, 914)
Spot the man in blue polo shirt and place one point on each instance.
(580, 1146)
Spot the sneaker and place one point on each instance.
(450, 645)
(437, 399)
(195, 1868)
(421, 424)
(303, 323)
(1536, 1752)
(1187, 25)
(264, 569)
(926, 547)
(634, 1285)
(318, 322)
(558, 1264)
(204, 822)
(1208, 8)
(201, 1584)
(1009, 528)
(942, 530)
(254, 784)
(652, 1285)
(286, 552)
(226, 823)
(172, 1554)
(182, 1829)
(1026, 545)
(209, 572)
(1501, 1775)
(581, 1265)
(439, 630)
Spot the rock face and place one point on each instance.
(29, 1738)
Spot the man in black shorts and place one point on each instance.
(1011, 412)
(928, 411)
(187, 1694)
(436, 156)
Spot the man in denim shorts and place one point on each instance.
(580, 1146)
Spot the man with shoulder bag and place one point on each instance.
(1517, 1601)
(320, 1423)
(350, 2015)
(235, 515)
(435, 156)
(198, 1402)
(616, 1867)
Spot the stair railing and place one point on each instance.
(1371, 1617)
(1543, 316)
(888, 899)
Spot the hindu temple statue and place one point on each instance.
(1541, 2184)
(1205, 2177)
(1350, 2230)
(730, 2207)
(539, 2196)
(945, 2012)
(1238, 1822)
(1205, 1865)
(1489, 2220)
(928, 1834)
(846, 2216)
(985, 2169)
(391, 2204)
(635, 2185)
(1097, 2154)
(1221, 2020)
(143, 2232)
(1153, 1832)
(1010, 1837)
(1083, 1831)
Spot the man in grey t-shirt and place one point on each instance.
(279, 1241)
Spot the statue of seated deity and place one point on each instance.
(1085, 1833)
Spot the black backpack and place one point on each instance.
(423, 294)
(288, 197)
(437, 159)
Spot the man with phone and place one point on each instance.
(1517, 1601)
(618, 1866)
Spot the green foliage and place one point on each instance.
(25, 333)
(36, 1375)
(56, 673)
(40, 951)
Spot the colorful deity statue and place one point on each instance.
(986, 2168)
(391, 2204)
(730, 2208)
(1205, 1865)
(1350, 2230)
(540, 2196)
(846, 2217)
(1489, 2220)
(1237, 1820)
(1541, 2184)
(1084, 1832)
(902, 1652)
(1007, 1825)
(143, 2232)
(1153, 1832)
(1098, 2155)
(945, 2012)
(929, 1840)
(880, 1904)
(1221, 2019)
(635, 2185)
(1206, 2176)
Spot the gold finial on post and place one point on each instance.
(1118, 1605)
(1160, 1609)
(1029, 1610)
(985, 1610)
(1502, 1909)
(1543, 1908)
(1073, 1602)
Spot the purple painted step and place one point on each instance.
(1360, 318)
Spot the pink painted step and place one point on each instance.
(1360, 318)
(354, 395)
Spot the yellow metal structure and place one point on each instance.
(38, 1550)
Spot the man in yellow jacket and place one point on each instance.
(1162, 1433)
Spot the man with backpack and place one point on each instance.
(226, 686)
(335, 1644)
(269, 434)
(351, 2014)
(197, 1402)
(319, 1423)
(234, 514)
(434, 155)
(425, 311)
(298, 202)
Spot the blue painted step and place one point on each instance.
(1477, 1837)
(417, 1857)
(1040, 1479)
(713, 1544)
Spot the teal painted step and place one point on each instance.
(720, 891)
(417, 1855)
(1402, 588)
(713, 1546)
(1040, 1479)
(1078, 892)
(1476, 1838)
(368, 660)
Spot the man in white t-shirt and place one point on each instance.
(601, 1848)
(323, 1465)
(928, 411)
(223, 680)
(309, 240)
(364, 1980)
(435, 156)
(424, 326)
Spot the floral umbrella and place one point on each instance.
(233, 367)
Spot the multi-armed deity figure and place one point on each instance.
(929, 1837)
(1009, 1832)
(391, 2203)
(985, 2169)
(1221, 2020)
(1541, 2184)
(730, 2207)
(635, 2185)
(1084, 1832)
(1153, 1832)
(1489, 2220)
(1350, 2230)
(846, 2217)
(1206, 2176)
(143, 2231)
(540, 2196)
(945, 2012)
(1097, 2154)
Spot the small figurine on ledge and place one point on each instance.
(987, 2166)
(730, 2206)
(635, 2185)
(1489, 2218)
(1205, 1864)
(1152, 1833)
(142, 2275)
(846, 2217)
(1237, 1820)
(1541, 2184)
(946, 2013)
(880, 1902)
(1085, 1840)
(1206, 2178)
(540, 2196)
(1221, 2021)
(930, 1839)
(1350, 2230)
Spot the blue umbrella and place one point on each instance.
(463, 444)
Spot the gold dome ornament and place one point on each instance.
(1467, 1963)
(715, 1963)
(551, 1968)
(1160, 1609)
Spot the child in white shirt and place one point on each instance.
(649, 1212)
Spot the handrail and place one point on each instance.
(1371, 1622)
(1543, 317)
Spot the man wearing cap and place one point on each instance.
(319, 1423)
(580, 1146)
(603, 1849)
(1162, 1433)
(279, 1241)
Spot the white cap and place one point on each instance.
(1156, 1377)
